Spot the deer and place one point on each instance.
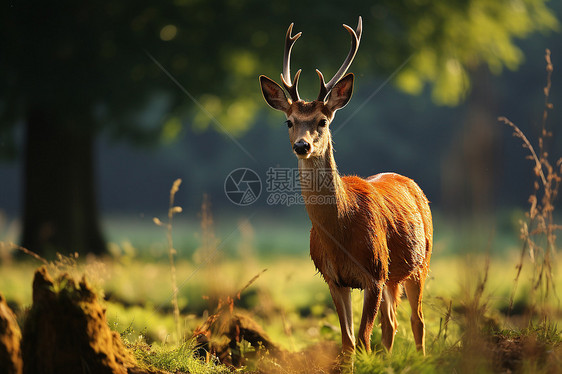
(373, 234)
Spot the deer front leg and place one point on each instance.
(371, 304)
(342, 300)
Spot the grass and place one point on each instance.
(495, 310)
(292, 303)
(294, 307)
(178, 358)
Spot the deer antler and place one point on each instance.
(286, 76)
(325, 88)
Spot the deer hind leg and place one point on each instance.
(414, 292)
(371, 304)
(342, 301)
(389, 323)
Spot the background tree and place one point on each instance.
(73, 70)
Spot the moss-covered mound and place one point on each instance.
(10, 338)
(66, 331)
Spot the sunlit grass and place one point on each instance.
(174, 358)
(290, 285)
(292, 303)
(290, 299)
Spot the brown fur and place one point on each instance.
(375, 234)
(393, 205)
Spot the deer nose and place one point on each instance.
(301, 147)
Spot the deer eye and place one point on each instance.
(322, 122)
(289, 123)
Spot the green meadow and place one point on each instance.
(471, 296)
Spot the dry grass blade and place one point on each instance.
(10, 246)
(250, 282)
(526, 144)
(538, 233)
(235, 327)
(229, 302)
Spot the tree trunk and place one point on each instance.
(470, 169)
(60, 213)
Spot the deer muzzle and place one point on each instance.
(302, 147)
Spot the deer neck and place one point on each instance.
(323, 189)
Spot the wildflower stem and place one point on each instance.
(171, 253)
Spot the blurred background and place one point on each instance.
(103, 106)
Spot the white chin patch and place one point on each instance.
(303, 157)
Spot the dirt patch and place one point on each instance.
(223, 335)
(509, 351)
(321, 358)
(10, 338)
(66, 331)
(512, 353)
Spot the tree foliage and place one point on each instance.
(139, 70)
(93, 59)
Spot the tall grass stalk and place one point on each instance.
(538, 232)
(172, 209)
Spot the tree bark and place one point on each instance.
(60, 212)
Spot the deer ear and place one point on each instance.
(341, 93)
(274, 94)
